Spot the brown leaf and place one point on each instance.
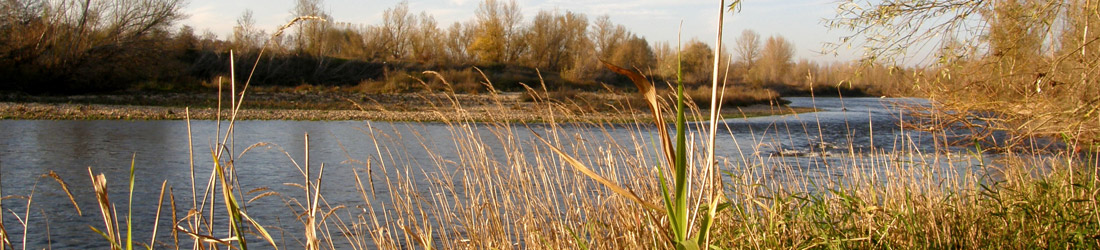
(650, 94)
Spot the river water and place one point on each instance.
(159, 150)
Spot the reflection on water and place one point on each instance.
(804, 142)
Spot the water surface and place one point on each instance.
(810, 142)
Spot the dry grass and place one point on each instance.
(503, 189)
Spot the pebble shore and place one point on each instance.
(329, 106)
(47, 111)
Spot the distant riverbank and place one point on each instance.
(47, 111)
(505, 107)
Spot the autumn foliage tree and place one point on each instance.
(775, 60)
(555, 40)
(497, 39)
(696, 59)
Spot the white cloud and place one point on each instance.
(207, 17)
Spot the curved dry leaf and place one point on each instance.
(650, 93)
(65, 187)
(596, 177)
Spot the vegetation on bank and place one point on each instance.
(1028, 68)
(78, 47)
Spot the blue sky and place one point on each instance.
(800, 21)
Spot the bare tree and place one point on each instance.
(748, 47)
(245, 35)
(633, 52)
(553, 40)
(397, 27)
(345, 40)
(427, 40)
(511, 17)
(775, 59)
(83, 42)
(185, 39)
(665, 57)
(543, 39)
(309, 35)
(459, 37)
(606, 36)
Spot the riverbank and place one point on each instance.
(59, 111)
(329, 107)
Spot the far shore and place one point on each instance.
(470, 108)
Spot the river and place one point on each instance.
(809, 142)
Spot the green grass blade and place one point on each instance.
(679, 210)
(665, 196)
(687, 244)
(230, 205)
(581, 243)
(130, 208)
(263, 232)
(114, 245)
(707, 222)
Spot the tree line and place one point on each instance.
(80, 46)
